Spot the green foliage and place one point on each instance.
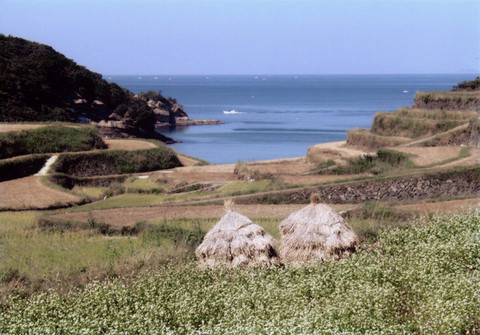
(373, 218)
(49, 140)
(420, 279)
(21, 167)
(117, 162)
(159, 234)
(383, 161)
(69, 182)
(154, 96)
(407, 125)
(39, 84)
(321, 165)
(470, 85)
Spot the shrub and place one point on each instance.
(69, 182)
(383, 161)
(21, 167)
(117, 162)
(470, 85)
(450, 100)
(49, 140)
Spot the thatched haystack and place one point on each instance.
(315, 233)
(235, 241)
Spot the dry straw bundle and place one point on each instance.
(235, 241)
(315, 233)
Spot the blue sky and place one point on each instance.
(254, 36)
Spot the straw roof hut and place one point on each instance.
(315, 233)
(236, 241)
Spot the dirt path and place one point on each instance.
(30, 192)
(130, 216)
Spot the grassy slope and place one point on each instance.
(423, 279)
(117, 162)
(49, 139)
(433, 113)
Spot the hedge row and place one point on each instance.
(70, 182)
(22, 167)
(49, 139)
(116, 162)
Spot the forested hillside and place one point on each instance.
(39, 84)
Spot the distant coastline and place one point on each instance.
(282, 116)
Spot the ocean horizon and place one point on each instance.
(279, 116)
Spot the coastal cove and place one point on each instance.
(279, 116)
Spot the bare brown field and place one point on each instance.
(132, 215)
(30, 192)
(129, 145)
(4, 127)
(187, 161)
(451, 206)
(196, 174)
(294, 166)
(430, 155)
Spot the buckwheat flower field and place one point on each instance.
(418, 279)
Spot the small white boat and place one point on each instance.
(405, 91)
(233, 111)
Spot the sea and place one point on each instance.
(278, 116)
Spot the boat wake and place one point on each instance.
(233, 111)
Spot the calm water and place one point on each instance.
(279, 116)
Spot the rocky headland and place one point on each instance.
(38, 83)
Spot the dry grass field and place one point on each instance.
(424, 156)
(31, 192)
(130, 145)
(4, 127)
(442, 207)
(336, 151)
(129, 216)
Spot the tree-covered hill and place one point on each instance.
(39, 84)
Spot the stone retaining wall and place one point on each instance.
(428, 186)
